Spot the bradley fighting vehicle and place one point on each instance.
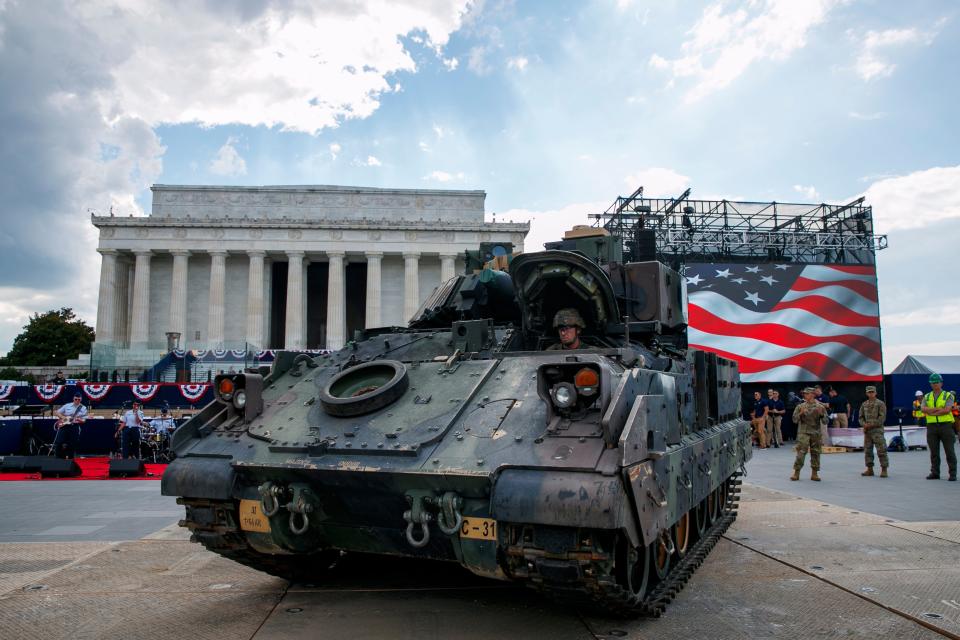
(601, 475)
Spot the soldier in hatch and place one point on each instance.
(807, 416)
(568, 323)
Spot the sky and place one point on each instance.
(552, 108)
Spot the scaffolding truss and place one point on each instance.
(680, 230)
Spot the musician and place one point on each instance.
(70, 417)
(129, 430)
(164, 425)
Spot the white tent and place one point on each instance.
(928, 364)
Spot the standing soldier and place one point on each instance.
(873, 414)
(918, 416)
(807, 416)
(824, 400)
(938, 408)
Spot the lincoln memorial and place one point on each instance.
(278, 267)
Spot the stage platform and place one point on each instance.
(792, 566)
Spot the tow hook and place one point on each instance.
(450, 504)
(269, 494)
(301, 504)
(426, 507)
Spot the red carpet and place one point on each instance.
(93, 469)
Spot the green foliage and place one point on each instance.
(50, 339)
(12, 373)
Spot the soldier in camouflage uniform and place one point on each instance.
(873, 413)
(807, 416)
(568, 323)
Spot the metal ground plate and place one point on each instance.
(943, 530)
(876, 578)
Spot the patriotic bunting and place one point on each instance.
(95, 391)
(6, 390)
(240, 354)
(144, 392)
(48, 392)
(193, 392)
(219, 354)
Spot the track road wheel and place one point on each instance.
(661, 558)
(722, 497)
(700, 518)
(632, 568)
(711, 501)
(682, 535)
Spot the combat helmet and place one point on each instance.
(569, 317)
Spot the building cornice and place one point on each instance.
(287, 223)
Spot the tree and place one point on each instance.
(50, 338)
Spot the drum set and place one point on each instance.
(154, 441)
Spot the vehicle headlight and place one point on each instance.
(564, 395)
(240, 399)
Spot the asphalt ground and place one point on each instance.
(848, 557)
(905, 495)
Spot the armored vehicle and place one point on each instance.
(601, 475)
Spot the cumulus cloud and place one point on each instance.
(372, 161)
(228, 161)
(657, 181)
(723, 44)
(549, 225)
(876, 115)
(335, 150)
(450, 63)
(443, 176)
(809, 193)
(872, 61)
(477, 61)
(84, 84)
(518, 63)
(916, 200)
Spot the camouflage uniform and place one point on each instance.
(807, 416)
(873, 413)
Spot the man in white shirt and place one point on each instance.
(130, 423)
(70, 417)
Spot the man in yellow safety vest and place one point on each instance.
(938, 409)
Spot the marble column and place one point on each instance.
(372, 317)
(305, 288)
(411, 284)
(447, 266)
(121, 310)
(215, 319)
(107, 301)
(178, 294)
(294, 325)
(140, 330)
(336, 309)
(267, 303)
(255, 306)
(131, 279)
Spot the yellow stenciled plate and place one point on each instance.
(479, 528)
(251, 518)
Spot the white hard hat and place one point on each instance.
(918, 393)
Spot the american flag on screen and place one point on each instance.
(788, 322)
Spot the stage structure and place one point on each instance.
(789, 291)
